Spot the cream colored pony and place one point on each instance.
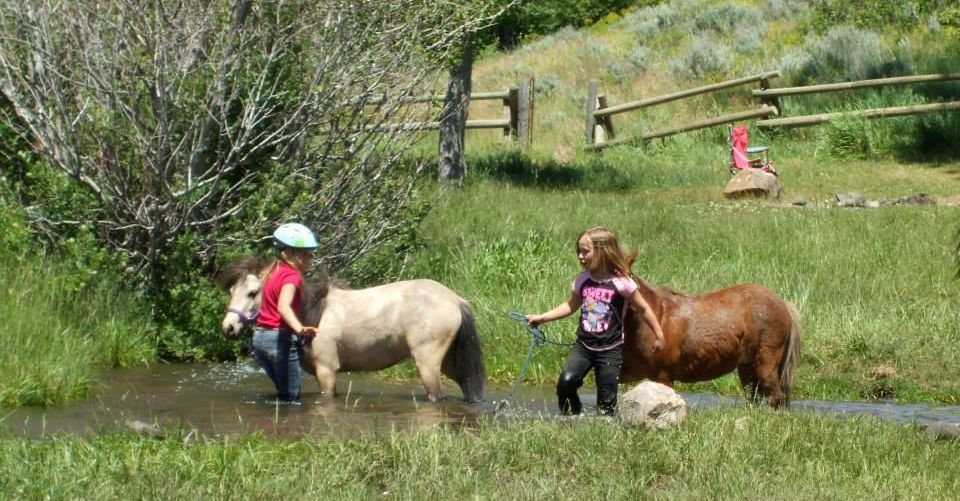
(372, 329)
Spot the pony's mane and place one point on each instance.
(660, 289)
(643, 283)
(255, 264)
(315, 297)
(233, 272)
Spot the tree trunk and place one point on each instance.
(453, 121)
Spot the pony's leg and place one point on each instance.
(769, 381)
(664, 379)
(327, 379)
(749, 382)
(428, 359)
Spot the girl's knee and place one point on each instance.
(568, 382)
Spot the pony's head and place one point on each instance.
(242, 280)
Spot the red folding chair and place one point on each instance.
(743, 156)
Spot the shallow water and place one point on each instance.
(231, 398)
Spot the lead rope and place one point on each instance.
(537, 338)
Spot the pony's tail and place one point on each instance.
(464, 360)
(791, 358)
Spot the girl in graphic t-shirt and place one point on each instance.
(601, 292)
(274, 342)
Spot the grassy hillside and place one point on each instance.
(875, 286)
(678, 45)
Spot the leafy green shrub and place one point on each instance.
(529, 19)
(15, 237)
(748, 42)
(547, 84)
(617, 71)
(776, 9)
(885, 14)
(704, 57)
(851, 138)
(932, 137)
(842, 54)
(640, 58)
(729, 18)
(649, 21)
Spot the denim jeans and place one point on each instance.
(606, 366)
(278, 353)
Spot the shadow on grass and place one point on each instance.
(518, 168)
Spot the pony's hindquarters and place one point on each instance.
(463, 362)
(770, 374)
(791, 357)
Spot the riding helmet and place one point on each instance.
(294, 235)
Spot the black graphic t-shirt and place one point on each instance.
(602, 308)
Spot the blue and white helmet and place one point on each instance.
(294, 235)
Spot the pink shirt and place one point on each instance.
(269, 315)
(603, 304)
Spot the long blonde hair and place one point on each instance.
(275, 261)
(608, 255)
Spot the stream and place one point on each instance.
(232, 398)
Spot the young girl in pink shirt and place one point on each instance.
(601, 292)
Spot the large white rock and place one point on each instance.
(652, 405)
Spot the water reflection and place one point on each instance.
(232, 398)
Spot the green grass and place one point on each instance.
(875, 287)
(55, 341)
(732, 453)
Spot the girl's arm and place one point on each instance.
(561, 310)
(641, 305)
(285, 308)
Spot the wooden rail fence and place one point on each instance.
(600, 131)
(894, 111)
(517, 122)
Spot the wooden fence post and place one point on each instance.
(523, 114)
(508, 108)
(514, 110)
(533, 96)
(770, 100)
(591, 107)
(605, 121)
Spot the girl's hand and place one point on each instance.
(307, 331)
(534, 320)
(657, 344)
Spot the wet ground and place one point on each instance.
(232, 398)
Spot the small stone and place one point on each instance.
(741, 424)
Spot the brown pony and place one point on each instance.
(746, 327)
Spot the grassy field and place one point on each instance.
(57, 337)
(876, 290)
(875, 287)
(716, 454)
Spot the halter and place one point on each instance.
(244, 319)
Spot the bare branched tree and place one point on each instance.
(181, 117)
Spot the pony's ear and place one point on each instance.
(630, 258)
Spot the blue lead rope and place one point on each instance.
(537, 338)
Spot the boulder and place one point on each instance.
(943, 431)
(652, 405)
(145, 429)
(753, 182)
(852, 199)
